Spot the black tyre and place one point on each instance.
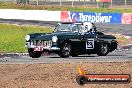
(103, 49)
(65, 49)
(34, 54)
(80, 80)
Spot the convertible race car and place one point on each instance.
(71, 39)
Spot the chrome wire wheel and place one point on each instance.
(103, 49)
(65, 49)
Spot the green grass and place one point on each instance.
(12, 37)
(68, 8)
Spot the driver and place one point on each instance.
(89, 27)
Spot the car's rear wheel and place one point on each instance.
(34, 54)
(65, 49)
(103, 49)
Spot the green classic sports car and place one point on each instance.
(70, 39)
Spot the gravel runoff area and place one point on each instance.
(61, 75)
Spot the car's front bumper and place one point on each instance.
(49, 47)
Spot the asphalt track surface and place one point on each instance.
(115, 56)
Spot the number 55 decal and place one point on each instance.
(90, 44)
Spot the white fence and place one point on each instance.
(87, 3)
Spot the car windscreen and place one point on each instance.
(67, 27)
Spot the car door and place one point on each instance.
(89, 40)
(78, 44)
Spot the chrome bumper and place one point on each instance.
(50, 48)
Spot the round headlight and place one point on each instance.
(54, 38)
(27, 37)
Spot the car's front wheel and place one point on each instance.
(34, 54)
(65, 49)
(103, 49)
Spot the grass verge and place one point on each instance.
(68, 8)
(12, 37)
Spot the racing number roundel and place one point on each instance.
(90, 44)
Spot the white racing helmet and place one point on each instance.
(87, 26)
